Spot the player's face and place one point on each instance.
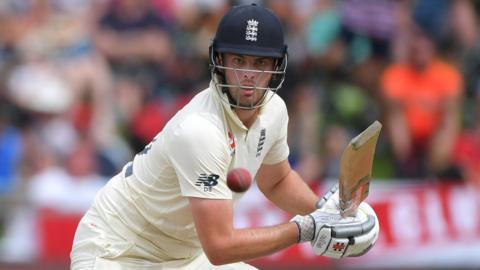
(248, 74)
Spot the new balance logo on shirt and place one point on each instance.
(207, 181)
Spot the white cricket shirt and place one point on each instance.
(145, 208)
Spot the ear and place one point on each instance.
(276, 64)
(218, 58)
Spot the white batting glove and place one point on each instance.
(337, 237)
(330, 199)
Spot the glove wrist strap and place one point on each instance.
(306, 227)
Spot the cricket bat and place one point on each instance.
(356, 169)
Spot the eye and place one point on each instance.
(238, 60)
(262, 63)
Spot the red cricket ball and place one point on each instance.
(239, 179)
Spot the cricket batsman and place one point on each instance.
(170, 207)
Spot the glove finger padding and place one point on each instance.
(364, 242)
(338, 237)
(329, 198)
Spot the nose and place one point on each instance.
(249, 72)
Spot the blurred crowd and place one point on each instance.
(85, 84)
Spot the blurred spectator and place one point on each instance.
(335, 141)
(53, 186)
(467, 150)
(422, 105)
(463, 23)
(464, 40)
(135, 41)
(366, 34)
(11, 153)
(465, 43)
(66, 188)
(37, 87)
(11, 148)
(467, 155)
(303, 132)
(196, 25)
(347, 47)
(58, 71)
(322, 31)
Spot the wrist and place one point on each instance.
(299, 230)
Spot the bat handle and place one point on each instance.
(347, 208)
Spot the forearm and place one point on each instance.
(248, 244)
(293, 195)
(223, 243)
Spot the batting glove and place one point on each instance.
(334, 236)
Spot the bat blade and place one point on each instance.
(356, 169)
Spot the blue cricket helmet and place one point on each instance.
(249, 30)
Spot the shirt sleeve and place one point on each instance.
(199, 154)
(279, 150)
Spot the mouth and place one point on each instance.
(247, 90)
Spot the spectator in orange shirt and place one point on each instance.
(422, 98)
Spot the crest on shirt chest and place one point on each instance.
(231, 144)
